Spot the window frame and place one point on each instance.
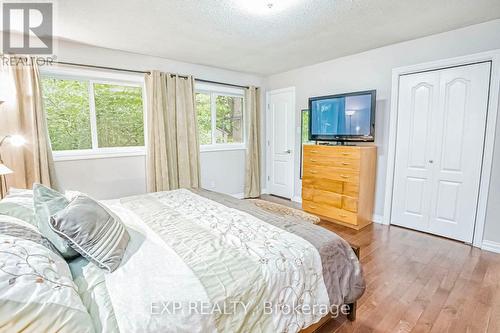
(215, 90)
(99, 77)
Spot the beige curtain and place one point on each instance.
(252, 165)
(172, 138)
(22, 113)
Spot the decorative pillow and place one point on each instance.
(93, 231)
(37, 293)
(47, 202)
(19, 203)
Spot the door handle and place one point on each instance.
(431, 161)
(288, 151)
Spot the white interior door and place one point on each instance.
(440, 139)
(281, 140)
(418, 99)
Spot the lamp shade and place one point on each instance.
(4, 170)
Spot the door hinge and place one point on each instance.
(268, 177)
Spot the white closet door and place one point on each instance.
(437, 174)
(418, 100)
(463, 105)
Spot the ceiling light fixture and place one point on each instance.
(265, 7)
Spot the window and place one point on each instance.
(93, 116)
(220, 117)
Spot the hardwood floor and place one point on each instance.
(420, 283)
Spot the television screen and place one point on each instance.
(343, 117)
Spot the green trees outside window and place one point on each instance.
(220, 118)
(66, 104)
(229, 119)
(77, 108)
(203, 109)
(119, 115)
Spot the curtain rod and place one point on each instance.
(222, 83)
(145, 72)
(101, 67)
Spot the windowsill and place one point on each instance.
(98, 154)
(73, 155)
(222, 147)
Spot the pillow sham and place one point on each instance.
(37, 293)
(93, 231)
(47, 202)
(19, 203)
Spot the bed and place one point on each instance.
(200, 261)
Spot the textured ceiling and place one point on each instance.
(245, 35)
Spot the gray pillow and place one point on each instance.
(93, 231)
(47, 202)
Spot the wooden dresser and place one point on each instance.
(338, 183)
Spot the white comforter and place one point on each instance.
(194, 265)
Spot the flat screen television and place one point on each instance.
(343, 117)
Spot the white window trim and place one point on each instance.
(88, 154)
(222, 146)
(104, 77)
(215, 90)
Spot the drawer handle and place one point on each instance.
(312, 207)
(344, 176)
(346, 154)
(314, 151)
(314, 171)
(345, 163)
(343, 215)
(313, 160)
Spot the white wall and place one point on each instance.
(107, 178)
(104, 178)
(373, 70)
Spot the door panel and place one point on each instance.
(460, 143)
(454, 115)
(418, 99)
(420, 114)
(438, 169)
(447, 199)
(415, 190)
(281, 141)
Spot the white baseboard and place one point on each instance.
(377, 219)
(297, 199)
(263, 191)
(490, 246)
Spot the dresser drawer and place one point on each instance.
(331, 161)
(324, 184)
(350, 203)
(339, 152)
(322, 197)
(350, 189)
(337, 174)
(330, 212)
